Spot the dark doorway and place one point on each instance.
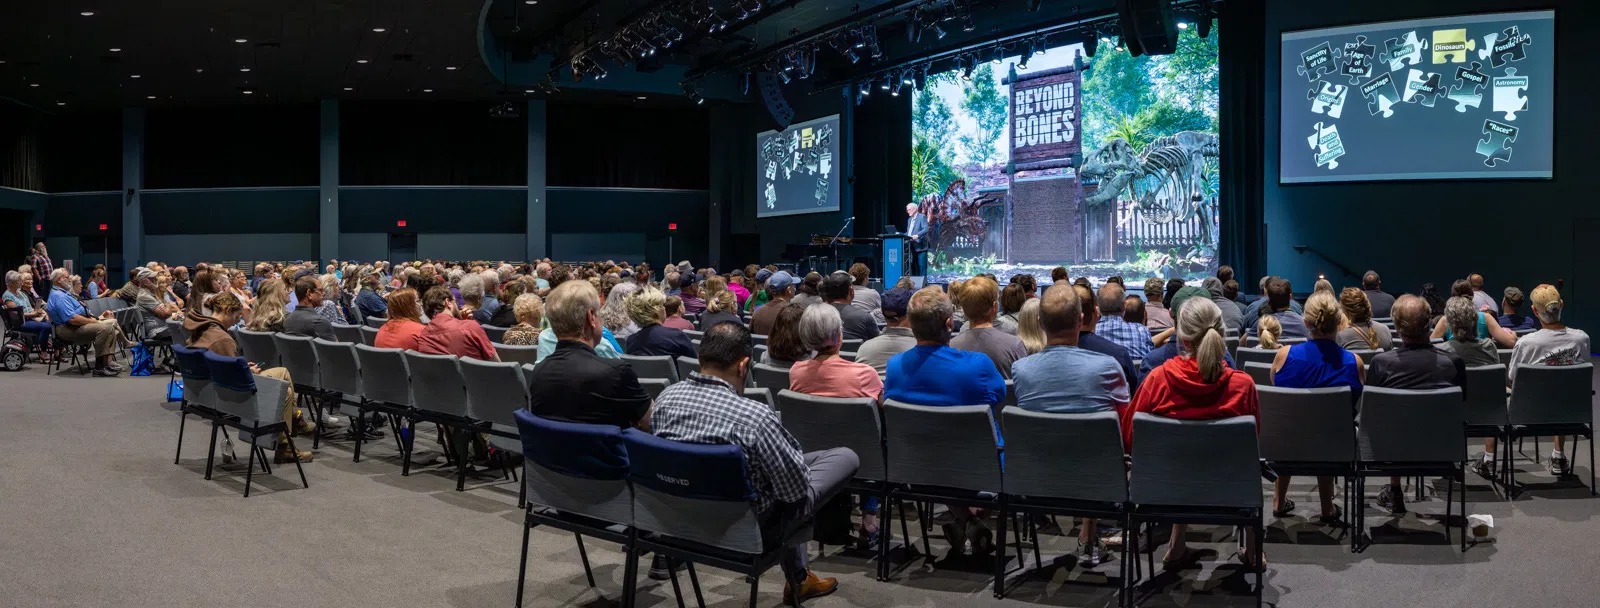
(402, 247)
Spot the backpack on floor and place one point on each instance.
(175, 390)
(143, 362)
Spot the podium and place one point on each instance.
(893, 259)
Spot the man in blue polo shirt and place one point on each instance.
(73, 324)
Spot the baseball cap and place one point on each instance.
(686, 279)
(1185, 294)
(781, 279)
(1514, 296)
(144, 273)
(763, 274)
(1546, 299)
(895, 302)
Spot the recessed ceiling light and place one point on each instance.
(116, 50)
(531, 1)
(378, 30)
(639, 97)
(34, 84)
(349, 88)
(240, 40)
(87, 13)
(427, 90)
(249, 92)
(450, 67)
(199, 70)
(244, 69)
(61, 103)
(361, 61)
(149, 96)
(133, 76)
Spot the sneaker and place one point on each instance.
(813, 587)
(1093, 555)
(1558, 465)
(1484, 469)
(867, 540)
(329, 419)
(1390, 499)
(659, 570)
(956, 537)
(112, 365)
(105, 372)
(980, 538)
(286, 455)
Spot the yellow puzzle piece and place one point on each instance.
(1451, 46)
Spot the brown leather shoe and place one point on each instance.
(813, 587)
(286, 455)
(304, 427)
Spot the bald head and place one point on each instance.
(1059, 313)
(1476, 281)
(1411, 315)
(1110, 299)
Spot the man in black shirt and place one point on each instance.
(838, 290)
(573, 383)
(1415, 365)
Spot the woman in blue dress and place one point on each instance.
(1317, 363)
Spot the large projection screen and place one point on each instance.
(1466, 97)
(797, 169)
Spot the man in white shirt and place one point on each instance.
(1481, 300)
(1553, 344)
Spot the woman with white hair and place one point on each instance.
(470, 286)
(331, 309)
(530, 313)
(34, 320)
(1195, 385)
(614, 311)
(829, 375)
(648, 309)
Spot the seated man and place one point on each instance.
(1280, 303)
(896, 337)
(1510, 318)
(978, 300)
(211, 333)
(1415, 365)
(1157, 317)
(838, 290)
(689, 292)
(1111, 325)
(445, 334)
(72, 324)
(146, 299)
(1064, 378)
(305, 320)
(1480, 299)
(1553, 344)
(573, 383)
(1088, 340)
(790, 486)
(934, 373)
(1254, 310)
(780, 288)
(370, 298)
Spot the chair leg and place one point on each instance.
(264, 467)
(463, 461)
(694, 582)
(522, 494)
(1449, 504)
(630, 571)
(1592, 490)
(522, 566)
(1033, 530)
(211, 452)
(405, 451)
(316, 411)
(250, 467)
(1002, 555)
(1261, 564)
(584, 556)
(300, 469)
(926, 520)
(183, 417)
(755, 588)
(359, 434)
(1123, 568)
(676, 591)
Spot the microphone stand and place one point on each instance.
(833, 244)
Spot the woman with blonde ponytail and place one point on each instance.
(1269, 331)
(1196, 385)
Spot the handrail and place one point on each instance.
(1342, 268)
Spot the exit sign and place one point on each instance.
(673, 226)
(401, 223)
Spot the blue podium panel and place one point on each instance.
(893, 260)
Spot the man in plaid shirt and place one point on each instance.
(40, 261)
(790, 486)
(1132, 336)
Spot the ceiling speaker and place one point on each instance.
(1148, 27)
(777, 104)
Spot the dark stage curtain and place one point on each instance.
(617, 146)
(21, 155)
(431, 144)
(1243, 63)
(83, 152)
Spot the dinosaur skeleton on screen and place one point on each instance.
(1166, 182)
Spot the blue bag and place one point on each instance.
(175, 389)
(143, 362)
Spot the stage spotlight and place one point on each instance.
(914, 33)
(1041, 45)
(784, 76)
(887, 83)
(1022, 60)
(966, 22)
(1205, 26)
(866, 88)
(851, 55)
(966, 73)
(999, 54)
(1033, 5)
(745, 84)
(860, 39)
(922, 78)
(939, 30)
(872, 44)
(1091, 43)
(905, 77)
(959, 64)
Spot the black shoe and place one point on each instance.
(1287, 510)
(1390, 499)
(105, 372)
(1484, 469)
(659, 570)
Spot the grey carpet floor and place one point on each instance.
(93, 512)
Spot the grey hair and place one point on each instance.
(471, 287)
(504, 272)
(491, 279)
(13, 278)
(57, 275)
(1462, 318)
(330, 285)
(821, 329)
(614, 312)
(455, 276)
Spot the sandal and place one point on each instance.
(1239, 555)
(1338, 516)
(1287, 510)
(1172, 563)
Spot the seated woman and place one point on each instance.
(1487, 325)
(648, 309)
(614, 310)
(721, 307)
(784, 347)
(271, 309)
(211, 333)
(405, 321)
(1316, 363)
(506, 316)
(829, 375)
(529, 310)
(34, 320)
(1028, 328)
(1463, 319)
(1195, 385)
(1011, 300)
(331, 308)
(1268, 333)
(1360, 333)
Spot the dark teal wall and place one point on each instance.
(647, 212)
(1513, 232)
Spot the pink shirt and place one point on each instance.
(678, 323)
(739, 293)
(835, 377)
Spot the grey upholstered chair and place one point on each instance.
(770, 377)
(518, 354)
(1414, 433)
(258, 348)
(1554, 400)
(348, 333)
(660, 366)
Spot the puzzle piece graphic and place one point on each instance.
(1507, 93)
(1316, 61)
(1422, 88)
(1509, 42)
(1403, 51)
(1468, 89)
(1358, 57)
(1381, 94)
(1451, 46)
(1326, 145)
(1497, 147)
(772, 196)
(1328, 99)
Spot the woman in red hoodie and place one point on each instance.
(1197, 385)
